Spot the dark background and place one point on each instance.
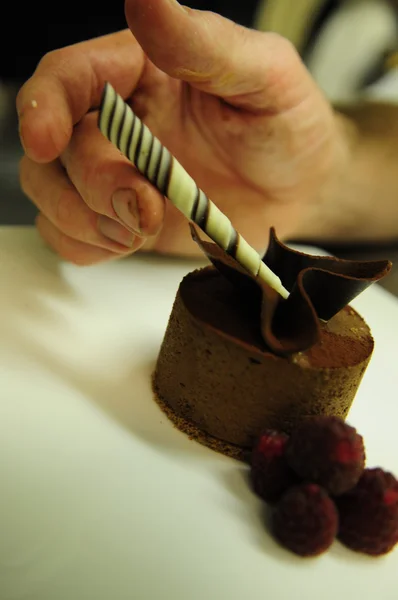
(41, 27)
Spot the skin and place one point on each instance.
(235, 106)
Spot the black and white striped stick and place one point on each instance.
(125, 130)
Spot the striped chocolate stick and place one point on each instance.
(125, 130)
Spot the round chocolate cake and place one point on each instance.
(236, 359)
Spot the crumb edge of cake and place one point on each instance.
(194, 433)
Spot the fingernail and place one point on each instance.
(125, 205)
(115, 231)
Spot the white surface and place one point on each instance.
(100, 497)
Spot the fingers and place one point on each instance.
(260, 71)
(57, 199)
(109, 184)
(67, 84)
(99, 198)
(69, 248)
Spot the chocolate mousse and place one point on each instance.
(237, 359)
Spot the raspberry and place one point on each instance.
(327, 451)
(306, 520)
(369, 513)
(270, 474)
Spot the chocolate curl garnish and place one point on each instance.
(320, 286)
(330, 283)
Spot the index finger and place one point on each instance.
(67, 84)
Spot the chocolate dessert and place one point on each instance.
(237, 359)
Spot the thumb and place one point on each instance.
(250, 69)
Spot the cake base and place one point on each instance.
(196, 434)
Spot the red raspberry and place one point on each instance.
(306, 520)
(270, 474)
(369, 513)
(327, 451)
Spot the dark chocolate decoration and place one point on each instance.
(320, 286)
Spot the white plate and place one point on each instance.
(100, 497)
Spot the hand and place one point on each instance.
(235, 106)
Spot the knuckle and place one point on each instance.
(98, 180)
(286, 71)
(286, 53)
(59, 58)
(280, 42)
